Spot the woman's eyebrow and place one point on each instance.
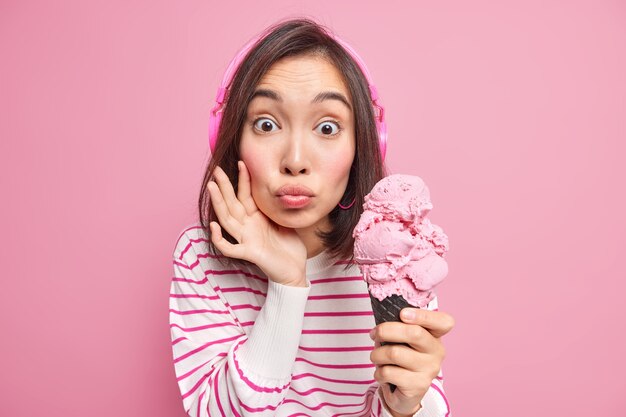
(324, 95)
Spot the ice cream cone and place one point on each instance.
(399, 251)
(388, 310)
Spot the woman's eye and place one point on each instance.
(327, 128)
(265, 126)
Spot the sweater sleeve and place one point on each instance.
(221, 370)
(434, 403)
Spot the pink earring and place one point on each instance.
(346, 208)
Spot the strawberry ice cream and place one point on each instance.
(399, 251)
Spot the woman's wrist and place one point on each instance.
(396, 414)
(284, 274)
(296, 283)
(288, 277)
(393, 412)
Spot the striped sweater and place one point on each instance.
(246, 346)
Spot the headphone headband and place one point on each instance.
(215, 116)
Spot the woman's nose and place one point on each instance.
(296, 158)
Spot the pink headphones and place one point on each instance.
(215, 116)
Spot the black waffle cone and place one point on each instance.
(388, 310)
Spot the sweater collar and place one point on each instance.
(319, 262)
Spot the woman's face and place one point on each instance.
(299, 132)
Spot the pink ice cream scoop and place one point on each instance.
(398, 250)
(401, 198)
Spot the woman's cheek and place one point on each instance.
(339, 168)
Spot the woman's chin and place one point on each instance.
(294, 219)
(293, 223)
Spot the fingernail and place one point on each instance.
(408, 314)
(372, 333)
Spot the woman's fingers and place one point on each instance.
(224, 246)
(244, 189)
(227, 221)
(414, 335)
(438, 323)
(228, 194)
(231, 210)
(408, 382)
(403, 356)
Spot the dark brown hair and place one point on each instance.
(296, 37)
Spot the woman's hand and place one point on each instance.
(277, 250)
(411, 368)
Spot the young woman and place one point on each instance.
(269, 315)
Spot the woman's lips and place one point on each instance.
(294, 201)
(294, 189)
(293, 196)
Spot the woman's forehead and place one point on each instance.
(326, 96)
(313, 78)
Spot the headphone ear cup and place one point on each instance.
(214, 125)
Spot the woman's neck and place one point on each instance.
(312, 242)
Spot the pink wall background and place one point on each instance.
(512, 112)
